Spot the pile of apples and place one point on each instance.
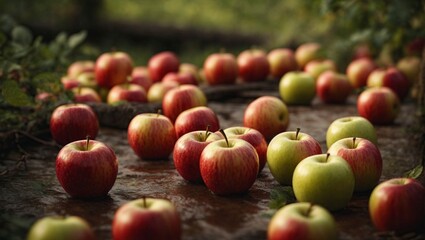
(228, 161)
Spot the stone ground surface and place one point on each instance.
(33, 193)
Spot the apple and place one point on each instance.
(147, 218)
(220, 68)
(157, 91)
(192, 69)
(358, 71)
(44, 97)
(196, 118)
(316, 67)
(58, 227)
(229, 166)
(113, 68)
(86, 168)
(69, 83)
(410, 66)
(286, 150)
(162, 63)
(398, 205)
(187, 153)
(302, 221)
(362, 50)
(267, 114)
(253, 65)
(281, 61)
(324, 179)
(78, 67)
(415, 46)
(351, 126)
(364, 158)
(180, 78)
(297, 88)
(140, 76)
(87, 79)
(252, 136)
(127, 92)
(151, 136)
(181, 98)
(333, 87)
(307, 52)
(380, 105)
(392, 78)
(86, 94)
(71, 122)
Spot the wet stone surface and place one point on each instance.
(33, 193)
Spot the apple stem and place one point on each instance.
(87, 142)
(327, 156)
(354, 142)
(309, 209)
(296, 134)
(144, 201)
(207, 132)
(225, 137)
(159, 112)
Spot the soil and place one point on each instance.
(34, 192)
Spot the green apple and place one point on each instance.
(286, 150)
(352, 126)
(302, 221)
(297, 88)
(324, 179)
(64, 228)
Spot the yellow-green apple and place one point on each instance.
(220, 68)
(307, 52)
(358, 71)
(364, 158)
(157, 91)
(302, 221)
(151, 136)
(286, 150)
(78, 67)
(333, 87)
(180, 78)
(192, 69)
(127, 92)
(181, 98)
(229, 166)
(297, 88)
(147, 218)
(86, 168)
(316, 67)
(86, 94)
(113, 68)
(187, 153)
(161, 64)
(253, 65)
(281, 61)
(140, 76)
(58, 227)
(380, 105)
(398, 205)
(196, 118)
(252, 136)
(324, 179)
(267, 114)
(391, 78)
(87, 79)
(410, 66)
(71, 122)
(351, 126)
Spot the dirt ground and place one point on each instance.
(27, 195)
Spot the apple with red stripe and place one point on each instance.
(379, 105)
(220, 68)
(113, 68)
(281, 60)
(253, 65)
(196, 118)
(127, 92)
(162, 63)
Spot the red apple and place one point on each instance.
(187, 153)
(333, 87)
(127, 92)
(180, 78)
(362, 51)
(157, 91)
(281, 60)
(192, 69)
(59, 227)
(140, 76)
(358, 71)
(221, 68)
(196, 118)
(182, 98)
(147, 218)
(113, 68)
(379, 105)
(151, 136)
(69, 83)
(398, 205)
(364, 158)
(87, 79)
(229, 166)
(391, 78)
(317, 67)
(86, 94)
(86, 168)
(267, 114)
(253, 65)
(71, 122)
(307, 52)
(78, 67)
(162, 63)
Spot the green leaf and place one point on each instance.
(76, 39)
(22, 36)
(14, 95)
(281, 196)
(415, 172)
